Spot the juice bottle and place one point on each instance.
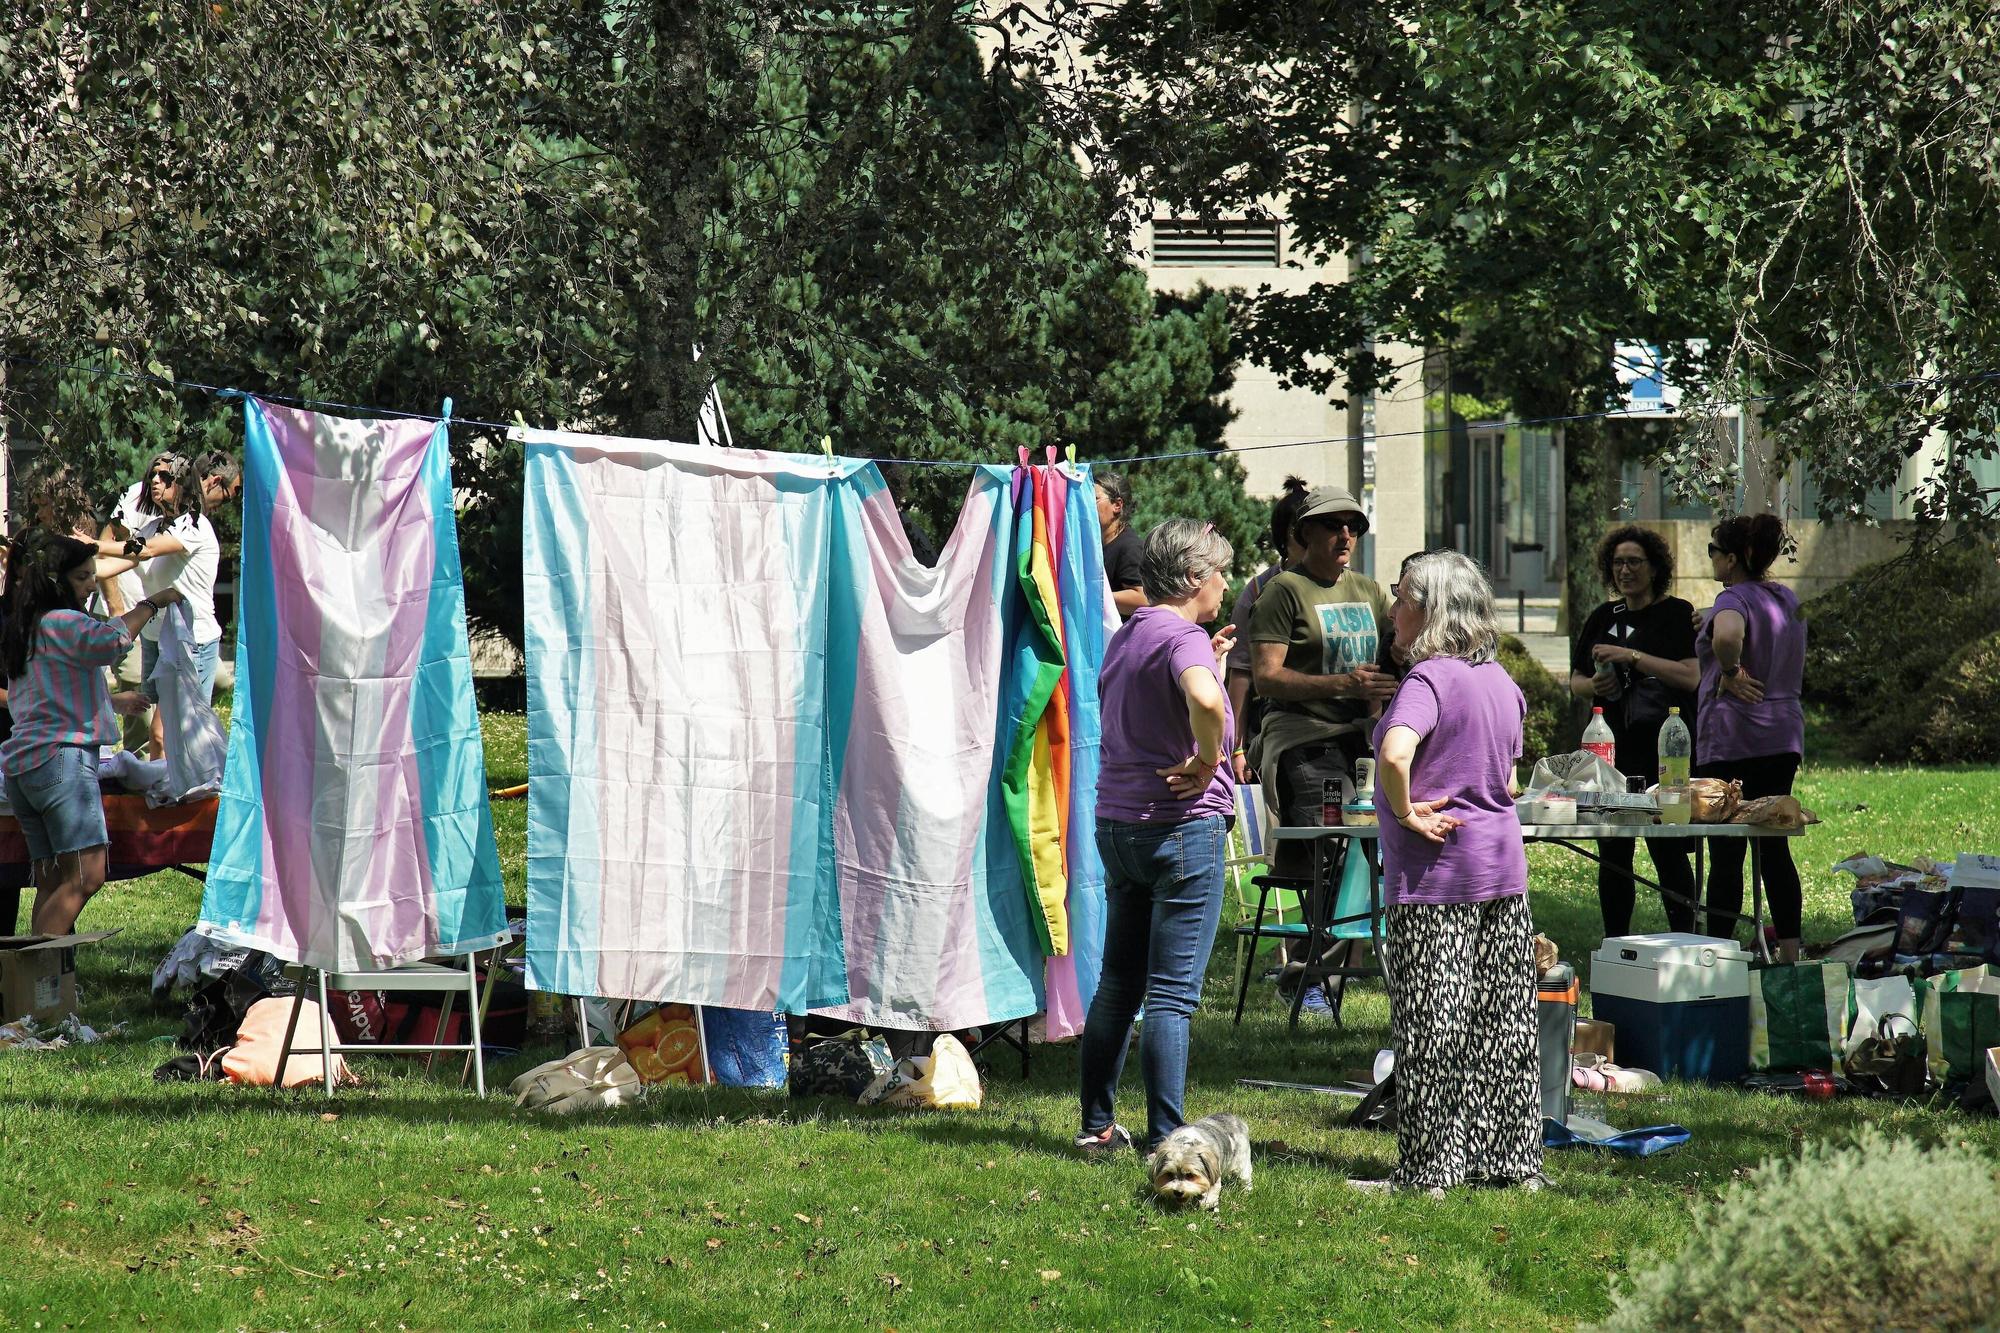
(1676, 750)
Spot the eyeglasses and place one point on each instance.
(1713, 549)
(1630, 562)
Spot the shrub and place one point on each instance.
(1548, 702)
(1894, 622)
(1875, 1234)
(1956, 718)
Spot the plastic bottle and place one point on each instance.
(1676, 750)
(1597, 738)
(1605, 671)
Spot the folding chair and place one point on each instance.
(1250, 829)
(445, 977)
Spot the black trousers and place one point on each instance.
(1617, 891)
(1763, 775)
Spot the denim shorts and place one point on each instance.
(58, 804)
(207, 657)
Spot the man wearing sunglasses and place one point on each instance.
(1318, 643)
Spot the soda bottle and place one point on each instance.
(1676, 750)
(1597, 737)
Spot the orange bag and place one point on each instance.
(260, 1038)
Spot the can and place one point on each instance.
(1330, 801)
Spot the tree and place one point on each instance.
(1796, 203)
(544, 207)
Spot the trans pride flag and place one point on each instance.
(353, 829)
(767, 746)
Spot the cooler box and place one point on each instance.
(1555, 1017)
(1681, 1004)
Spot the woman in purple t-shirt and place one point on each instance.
(1460, 953)
(1752, 651)
(1164, 804)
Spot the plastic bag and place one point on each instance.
(1783, 812)
(1577, 771)
(944, 1080)
(1714, 801)
(195, 743)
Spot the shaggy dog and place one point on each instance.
(1189, 1165)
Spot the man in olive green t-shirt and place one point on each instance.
(1318, 643)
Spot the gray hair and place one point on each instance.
(1457, 601)
(1180, 555)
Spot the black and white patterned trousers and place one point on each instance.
(1462, 1008)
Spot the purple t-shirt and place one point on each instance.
(1774, 652)
(1469, 721)
(1146, 721)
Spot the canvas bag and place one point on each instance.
(1961, 1021)
(260, 1040)
(590, 1079)
(1798, 1015)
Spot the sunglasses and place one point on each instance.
(1713, 549)
(162, 476)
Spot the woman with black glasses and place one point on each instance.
(1635, 659)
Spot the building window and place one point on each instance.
(1231, 243)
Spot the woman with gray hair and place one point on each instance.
(1460, 943)
(1164, 806)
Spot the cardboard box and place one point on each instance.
(38, 975)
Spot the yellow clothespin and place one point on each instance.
(1070, 451)
(826, 446)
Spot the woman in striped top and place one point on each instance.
(55, 654)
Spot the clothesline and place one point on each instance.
(318, 404)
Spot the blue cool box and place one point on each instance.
(1680, 1004)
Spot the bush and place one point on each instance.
(1894, 622)
(1876, 1234)
(1956, 718)
(1548, 702)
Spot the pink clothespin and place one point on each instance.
(1051, 454)
(1022, 454)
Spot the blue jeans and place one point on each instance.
(58, 805)
(207, 657)
(1163, 901)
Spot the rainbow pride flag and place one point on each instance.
(353, 829)
(769, 748)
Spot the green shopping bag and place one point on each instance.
(1798, 1015)
(1352, 899)
(1961, 1023)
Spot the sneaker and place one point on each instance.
(1388, 1187)
(1316, 1002)
(1112, 1138)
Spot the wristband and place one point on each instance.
(1405, 815)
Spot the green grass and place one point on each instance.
(406, 1203)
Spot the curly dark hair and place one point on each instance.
(1652, 543)
(38, 565)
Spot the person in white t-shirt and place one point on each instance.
(137, 514)
(180, 552)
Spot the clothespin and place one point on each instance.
(1071, 451)
(447, 411)
(826, 447)
(233, 393)
(1051, 454)
(1022, 455)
